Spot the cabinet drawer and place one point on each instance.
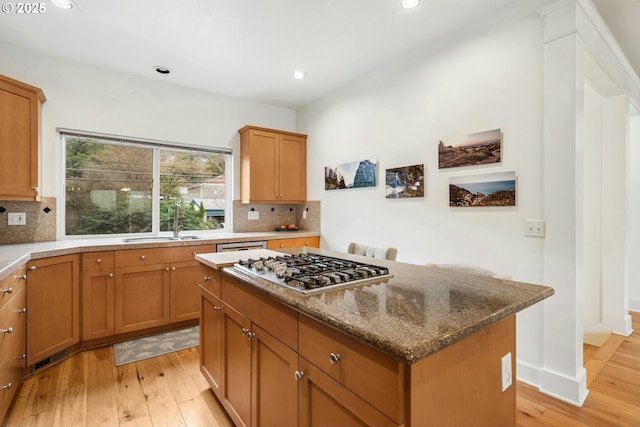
(280, 320)
(136, 257)
(375, 377)
(11, 285)
(313, 242)
(13, 324)
(210, 279)
(97, 260)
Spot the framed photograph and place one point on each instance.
(492, 189)
(470, 150)
(359, 174)
(403, 182)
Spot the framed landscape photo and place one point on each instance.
(359, 174)
(491, 189)
(404, 182)
(480, 148)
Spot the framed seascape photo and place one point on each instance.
(359, 174)
(404, 182)
(491, 189)
(470, 150)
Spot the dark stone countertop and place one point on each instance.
(415, 313)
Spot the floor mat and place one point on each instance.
(147, 347)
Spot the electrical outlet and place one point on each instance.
(534, 228)
(507, 374)
(17, 218)
(304, 214)
(253, 215)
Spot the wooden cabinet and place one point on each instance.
(371, 375)
(325, 402)
(184, 278)
(273, 166)
(98, 277)
(13, 336)
(248, 355)
(20, 106)
(53, 306)
(312, 242)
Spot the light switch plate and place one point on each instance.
(17, 218)
(253, 215)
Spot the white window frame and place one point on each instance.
(155, 208)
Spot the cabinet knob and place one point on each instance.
(9, 330)
(298, 375)
(166, 269)
(22, 356)
(306, 243)
(194, 253)
(22, 310)
(216, 308)
(33, 268)
(250, 335)
(142, 257)
(99, 260)
(23, 277)
(173, 269)
(282, 245)
(207, 278)
(7, 387)
(111, 275)
(245, 331)
(6, 291)
(334, 358)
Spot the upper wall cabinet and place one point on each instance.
(273, 166)
(20, 105)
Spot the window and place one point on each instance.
(125, 186)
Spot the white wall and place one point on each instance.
(633, 212)
(398, 115)
(93, 99)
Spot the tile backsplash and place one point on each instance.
(272, 216)
(40, 221)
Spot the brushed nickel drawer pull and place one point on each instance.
(334, 358)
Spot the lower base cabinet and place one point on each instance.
(325, 378)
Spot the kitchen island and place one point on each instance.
(420, 347)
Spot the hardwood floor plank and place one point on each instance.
(163, 408)
(216, 408)
(196, 413)
(600, 357)
(179, 380)
(130, 399)
(101, 390)
(72, 402)
(190, 360)
(44, 393)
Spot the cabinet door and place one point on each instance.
(19, 133)
(141, 297)
(211, 362)
(53, 306)
(259, 167)
(292, 169)
(236, 393)
(97, 303)
(274, 389)
(324, 402)
(185, 291)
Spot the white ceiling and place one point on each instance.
(250, 48)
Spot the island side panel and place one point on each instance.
(462, 384)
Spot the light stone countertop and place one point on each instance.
(14, 256)
(415, 313)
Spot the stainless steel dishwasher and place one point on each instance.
(240, 246)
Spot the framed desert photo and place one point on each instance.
(492, 189)
(358, 174)
(470, 150)
(403, 182)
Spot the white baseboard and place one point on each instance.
(570, 390)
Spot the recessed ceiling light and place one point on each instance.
(65, 4)
(409, 4)
(162, 70)
(299, 75)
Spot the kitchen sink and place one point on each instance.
(159, 239)
(149, 239)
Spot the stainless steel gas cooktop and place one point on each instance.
(308, 273)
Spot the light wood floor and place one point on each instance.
(88, 390)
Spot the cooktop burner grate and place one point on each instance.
(311, 272)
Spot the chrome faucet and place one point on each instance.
(178, 224)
